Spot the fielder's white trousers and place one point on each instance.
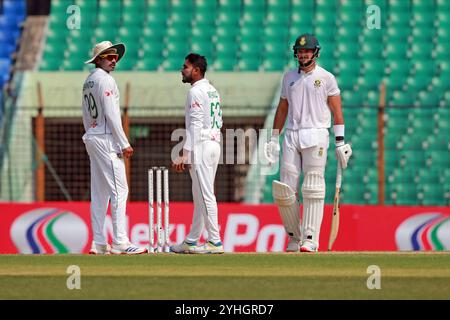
(203, 172)
(108, 184)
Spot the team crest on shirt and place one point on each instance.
(317, 83)
(320, 152)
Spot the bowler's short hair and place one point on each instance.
(198, 61)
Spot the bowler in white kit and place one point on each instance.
(107, 146)
(309, 95)
(201, 152)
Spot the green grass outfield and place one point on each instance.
(228, 276)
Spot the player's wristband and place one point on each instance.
(339, 132)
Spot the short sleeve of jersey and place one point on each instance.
(332, 87)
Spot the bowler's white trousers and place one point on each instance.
(203, 172)
(108, 183)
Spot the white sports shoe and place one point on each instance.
(308, 246)
(100, 248)
(127, 248)
(293, 245)
(183, 247)
(209, 248)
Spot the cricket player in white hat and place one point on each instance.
(107, 146)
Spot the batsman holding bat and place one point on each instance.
(308, 95)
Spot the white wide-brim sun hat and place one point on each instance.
(107, 45)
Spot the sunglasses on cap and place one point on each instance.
(109, 56)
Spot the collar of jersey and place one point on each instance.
(200, 81)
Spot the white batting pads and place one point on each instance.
(343, 153)
(288, 207)
(313, 191)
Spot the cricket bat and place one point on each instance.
(335, 218)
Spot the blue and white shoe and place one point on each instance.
(127, 248)
(208, 248)
(183, 247)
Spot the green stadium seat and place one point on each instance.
(351, 19)
(396, 51)
(416, 84)
(133, 6)
(438, 159)
(156, 19)
(205, 6)
(105, 33)
(158, 5)
(228, 19)
(133, 19)
(325, 19)
(253, 18)
(324, 34)
(442, 6)
(326, 5)
(227, 48)
(348, 50)
(351, 6)
(181, 6)
(50, 64)
(59, 7)
(172, 64)
(278, 5)
(148, 63)
(353, 195)
(418, 53)
(348, 34)
(412, 159)
(399, 6)
(301, 22)
(274, 64)
(421, 34)
(427, 176)
(278, 18)
(111, 6)
(397, 34)
(205, 48)
(405, 194)
(401, 98)
(206, 21)
(224, 64)
(427, 99)
(249, 64)
(423, 19)
(254, 5)
(351, 98)
(153, 49)
(130, 33)
(302, 5)
(181, 19)
(126, 64)
(277, 34)
(152, 35)
(431, 194)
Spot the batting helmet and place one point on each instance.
(307, 41)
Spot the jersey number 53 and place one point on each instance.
(216, 115)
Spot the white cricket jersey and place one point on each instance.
(203, 114)
(101, 109)
(307, 95)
